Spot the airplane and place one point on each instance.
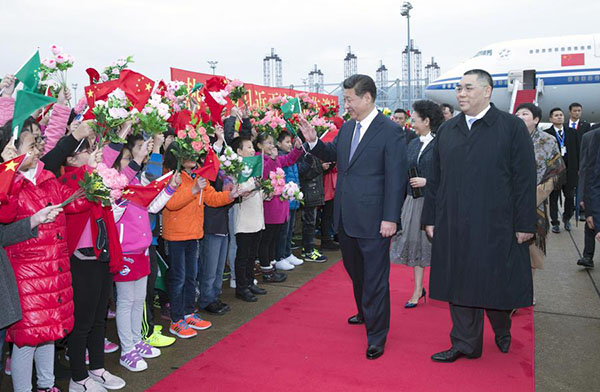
(560, 70)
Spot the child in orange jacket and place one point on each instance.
(183, 221)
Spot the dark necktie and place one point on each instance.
(355, 141)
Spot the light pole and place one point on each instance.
(74, 86)
(213, 65)
(406, 7)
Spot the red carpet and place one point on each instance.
(303, 343)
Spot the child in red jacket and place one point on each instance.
(41, 267)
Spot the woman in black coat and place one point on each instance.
(411, 246)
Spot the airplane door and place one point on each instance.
(528, 79)
(597, 45)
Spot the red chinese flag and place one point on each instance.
(210, 169)
(143, 195)
(98, 92)
(568, 60)
(137, 87)
(7, 173)
(329, 136)
(214, 85)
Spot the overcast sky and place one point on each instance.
(238, 34)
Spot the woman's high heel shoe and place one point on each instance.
(410, 305)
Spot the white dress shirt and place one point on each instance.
(477, 117)
(573, 124)
(425, 140)
(364, 125)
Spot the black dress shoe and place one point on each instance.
(246, 295)
(224, 306)
(215, 308)
(356, 319)
(374, 352)
(254, 289)
(450, 355)
(586, 262)
(503, 343)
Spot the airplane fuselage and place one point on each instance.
(567, 69)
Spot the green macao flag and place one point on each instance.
(290, 108)
(29, 74)
(26, 103)
(252, 168)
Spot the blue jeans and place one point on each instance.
(210, 276)
(183, 268)
(284, 242)
(232, 250)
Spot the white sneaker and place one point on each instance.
(108, 380)
(256, 282)
(293, 260)
(232, 283)
(146, 350)
(283, 265)
(273, 262)
(133, 361)
(87, 385)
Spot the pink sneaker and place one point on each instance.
(109, 347)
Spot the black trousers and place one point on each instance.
(467, 327)
(367, 261)
(247, 250)
(327, 220)
(148, 321)
(267, 250)
(589, 243)
(309, 221)
(568, 206)
(92, 283)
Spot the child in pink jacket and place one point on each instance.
(133, 224)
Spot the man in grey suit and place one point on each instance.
(370, 152)
(590, 144)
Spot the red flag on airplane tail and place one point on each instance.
(143, 195)
(8, 170)
(210, 169)
(569, 60)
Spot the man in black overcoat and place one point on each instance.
(480, 211)
(370, 152)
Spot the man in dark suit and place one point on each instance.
(594, 195)
(480, 212)
(575, 120)
(370, 152)
(590, 144)
(400, 116)
(568, 144)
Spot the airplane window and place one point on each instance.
(543, 50)
(597, 77)
(570, 79)
(590, 78)
(531, 51)
(569, 48)
(576, 78)
(549, 50)
(537, 51)
(556, 49)
(589, 47)
(562, 49)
